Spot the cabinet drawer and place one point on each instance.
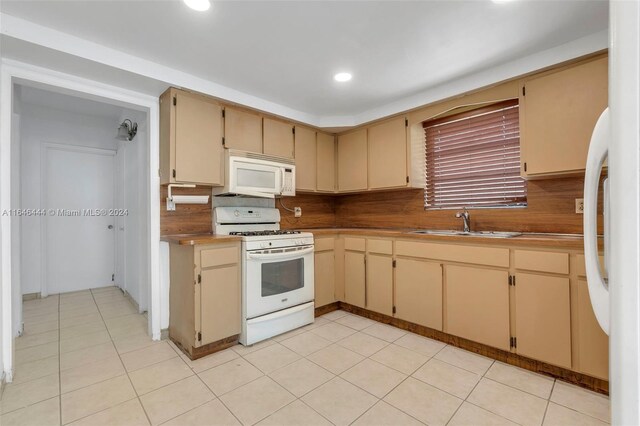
(356, 244)
(323, 244)
(455, 253)
(544, 261)
(218, 256)
(380, 246)
(581, 269)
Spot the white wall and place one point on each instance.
(131, 238)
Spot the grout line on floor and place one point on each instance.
(135, 391)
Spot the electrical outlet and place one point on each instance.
(580, 205)
(297, 211)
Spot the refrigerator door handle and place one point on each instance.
(598, 288)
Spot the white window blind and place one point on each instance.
(473, 159)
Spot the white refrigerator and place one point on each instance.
(616, 138)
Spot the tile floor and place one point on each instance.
(85, 359)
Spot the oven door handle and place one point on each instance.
(280, 256)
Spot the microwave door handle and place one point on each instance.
(280, 256)
(281, 180)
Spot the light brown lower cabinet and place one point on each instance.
(204, 295)
(418, 292)
(354, 278)
(477, 305)
(592, 342)
(543, 318)
(324, 272)
(379, 284)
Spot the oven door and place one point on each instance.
(276, 279)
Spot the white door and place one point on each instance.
(79, 236)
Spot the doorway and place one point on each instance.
(78, 185)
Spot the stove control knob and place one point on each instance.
(236, 213)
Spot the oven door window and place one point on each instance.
(282, 277)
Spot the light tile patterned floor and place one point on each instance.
(85, 359)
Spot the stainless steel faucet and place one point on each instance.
(464, 214)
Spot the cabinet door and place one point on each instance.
(543, 318)
(220, 303)
(326, 163)
(354, 278)
(379, 284)
(418, 291)
(305, 149)
(388, 154)
(242, 130)
(477, 305)
(324, 278)
(593, 343)
(352, 161)
(198, 140)
(278, 138)
(558, 115)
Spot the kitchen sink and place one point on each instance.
(486, 234)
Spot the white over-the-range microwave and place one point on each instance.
(257, 175)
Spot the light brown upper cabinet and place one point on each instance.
(418, 292)
(352, 161)
(558, 111)
(326, 162)
(278, 138)
(543, 318)
(242, 130)
(388, 154)
(190, 139)
(477, 305)
(305, 149)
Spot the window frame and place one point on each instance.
(469, 113)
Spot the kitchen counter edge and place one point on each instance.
(199, 239)
(537, 240)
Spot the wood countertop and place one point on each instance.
(196, 239)
(573, 242)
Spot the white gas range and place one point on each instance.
(277, 271)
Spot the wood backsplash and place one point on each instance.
(551, 208)
(318, 211)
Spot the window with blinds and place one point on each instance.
(473, 159)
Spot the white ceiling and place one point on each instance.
(286, 52)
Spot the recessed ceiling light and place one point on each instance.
(199, 5)
(342, 77)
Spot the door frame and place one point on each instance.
(12, 72)
(46, 147)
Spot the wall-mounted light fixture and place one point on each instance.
(127, 130)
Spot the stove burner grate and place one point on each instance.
(264, 233)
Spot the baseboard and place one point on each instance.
(2, 384)
(321, 310)
(208, 349)
(131, 299)
(164, 334)
(579, 379)
(31, 296)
